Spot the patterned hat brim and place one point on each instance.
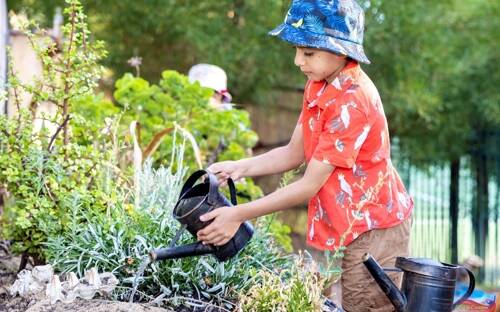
(304, 38)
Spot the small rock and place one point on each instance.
(54, 290)
(109, 283)
(72, 280)
(43, 273)
(93, 278)
(25, 285)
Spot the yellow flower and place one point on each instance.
(130, 209)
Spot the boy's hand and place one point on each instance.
(225, 223)
(227, 169)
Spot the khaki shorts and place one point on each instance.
(360, 292)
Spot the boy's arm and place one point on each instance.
(228, 219)
(316, 175)
(277, 160)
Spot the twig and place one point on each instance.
(18, 105)
(218, 150)
(47, 188)
(68, 67)
(61, 126)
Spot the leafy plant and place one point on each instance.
(220, 134)
(298, 288)
(120, 241)
(45, 169)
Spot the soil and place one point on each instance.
(8, 269)
(93, 306)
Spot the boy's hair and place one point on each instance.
(348, 58)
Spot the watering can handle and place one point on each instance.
(213, 185)
(232, 191)
(472, 284)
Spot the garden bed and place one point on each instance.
(8, 268)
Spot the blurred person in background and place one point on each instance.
(215, 78)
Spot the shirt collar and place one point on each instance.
(322, 93)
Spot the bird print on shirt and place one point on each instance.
(403, 200)
(362, 137)
(340, 197)
(389, 206)
(319, 208)
(368, 220)
(352, 89)
(311, 123)
(336, 125)
(339, 145)
(336, 84)
(344, 114)
(357, 215)
(358, 171)
(400, 215)
(344, 186)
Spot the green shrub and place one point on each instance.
(119, 242)
(219, 134)
(42, 183)
(44, 170)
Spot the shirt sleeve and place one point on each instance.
(342, 135)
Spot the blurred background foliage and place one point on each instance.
(177, 34)
(435, 63)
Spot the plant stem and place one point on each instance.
(67, 87)
(61, 126)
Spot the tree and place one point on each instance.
(432, 63)
(178, 34)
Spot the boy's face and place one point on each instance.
(318, 64)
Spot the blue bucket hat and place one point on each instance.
(333, 25)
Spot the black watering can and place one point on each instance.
(194, 201)
(428, 285)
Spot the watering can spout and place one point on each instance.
(194, 249)
(392, 292)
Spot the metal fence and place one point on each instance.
(471, 211)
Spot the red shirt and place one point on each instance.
(344, 125)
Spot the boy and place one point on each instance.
(356, 198)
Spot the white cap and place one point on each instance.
(210, 76)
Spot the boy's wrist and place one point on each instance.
(244, 212)
(243, 165)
